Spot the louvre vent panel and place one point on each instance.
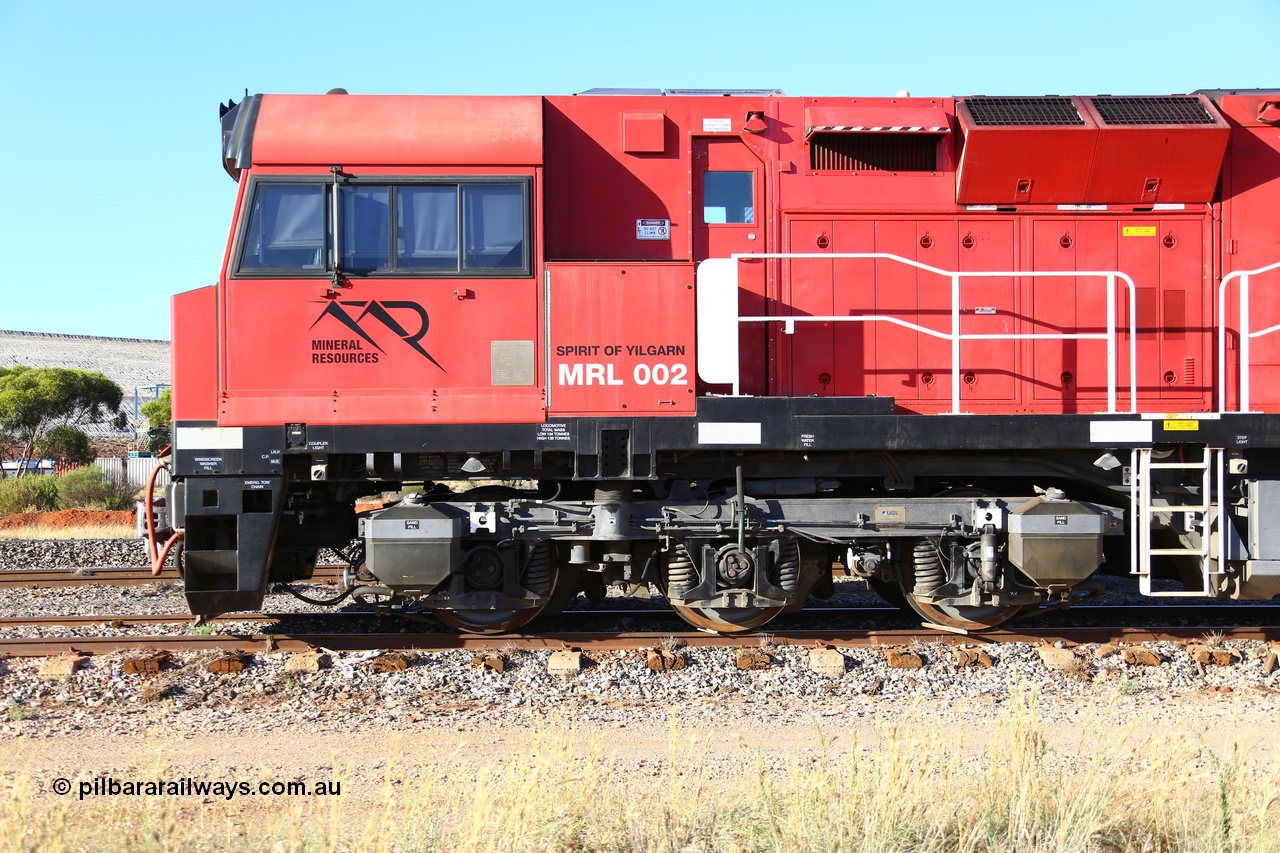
(1168, 109)
(874, 152)
(1023, 112)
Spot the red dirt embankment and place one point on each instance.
(68, 518)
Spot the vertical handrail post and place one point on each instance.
(1221, 470)
(1222, 345)
(1133, 345)
(955, 344)
(1111, 344)
(1244, 342)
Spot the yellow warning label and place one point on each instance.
(1138, 231)
(1181, 426)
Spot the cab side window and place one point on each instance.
(286, 229)
(474, 227)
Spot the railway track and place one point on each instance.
(112, 576)
(275, 639)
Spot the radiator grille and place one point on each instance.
(1167, 109)
(1013, 112)
(874, 152)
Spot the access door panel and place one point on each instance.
(728, 210)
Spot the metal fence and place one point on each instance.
(136, 471)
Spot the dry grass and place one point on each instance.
(913, 789)
(114, 531)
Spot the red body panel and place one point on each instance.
(289, 350)
(1251, 239)
(801, 188)
(596, 190)
(622, 338)
(194, 355)
(398, 130)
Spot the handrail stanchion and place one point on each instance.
(955, 344)
(1111, 344)
(1222, 345)
(1245, 334)
(1133, 344)
(1244, 342)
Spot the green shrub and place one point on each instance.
(34, 493)
(92, 488)
(66, 442)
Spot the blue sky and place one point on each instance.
(114, 199)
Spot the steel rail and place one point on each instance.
(123, 576)
(601, 640)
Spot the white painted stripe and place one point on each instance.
(1168, 206)
(209, 438)
(728, 433)
(852, 128)
(1119, 432)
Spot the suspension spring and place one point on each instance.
(787, 568)
(681, 575)
(537, 571)
(927, 563)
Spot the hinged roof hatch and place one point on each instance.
(1166, 148)
(1089, 150)
(1024, 150)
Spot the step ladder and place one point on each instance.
(1204, 514)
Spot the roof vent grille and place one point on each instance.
(1023, 112)
(874, 152)
(1166, 109)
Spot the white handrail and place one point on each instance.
(955, 335)
(1245, 334)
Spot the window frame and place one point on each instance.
(333, 248)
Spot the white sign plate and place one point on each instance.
(1120, 432)
(717, 125)
(653, 229)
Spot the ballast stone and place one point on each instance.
(64, 666)
(899, 659)
(1140, 657)
(973, 658)
(564, 663)
(308, 662)
(828, 662)
(1056, 658)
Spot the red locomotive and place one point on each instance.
(969, 348)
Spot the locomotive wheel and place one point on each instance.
(726, 620)
(485, 621)
(928, 572)
(539, 575)
(679, 573)
(889, 591)
(964, 617)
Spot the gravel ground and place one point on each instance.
(612, 688)
(72, 553)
